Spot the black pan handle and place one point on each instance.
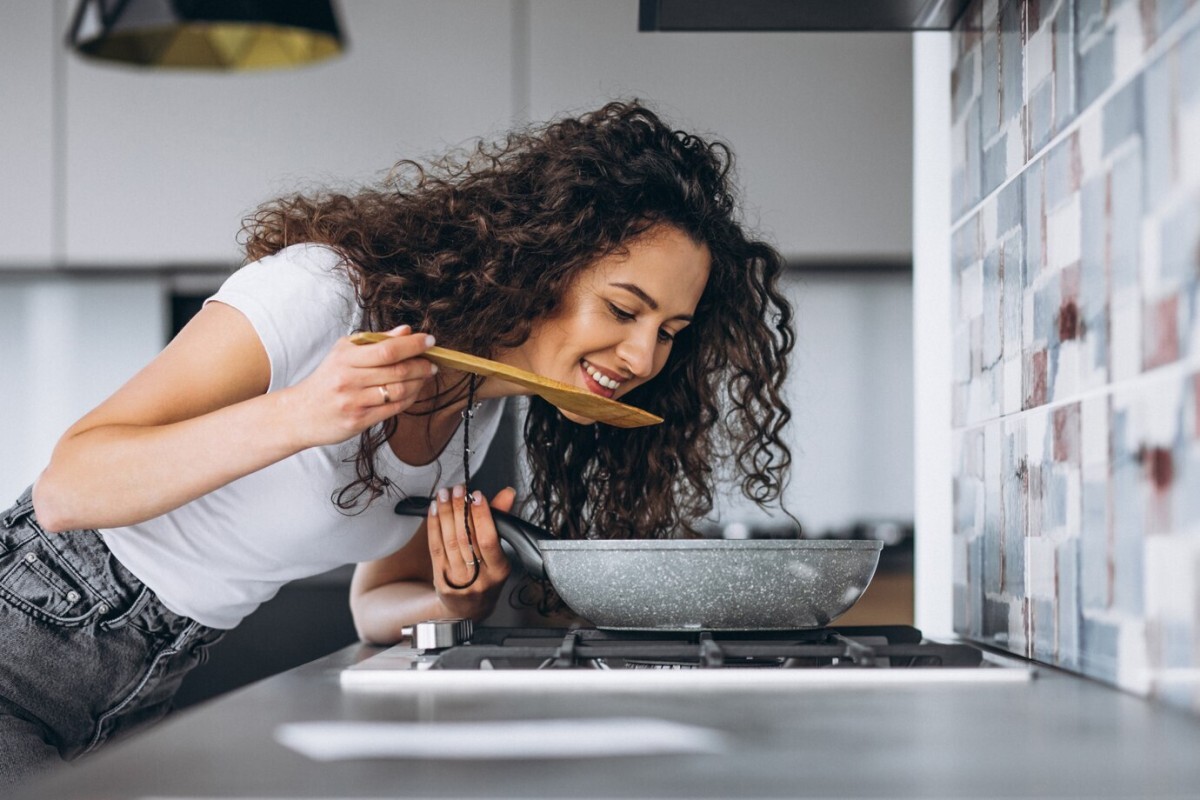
(522, 536)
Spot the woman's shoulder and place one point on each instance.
(312, 256)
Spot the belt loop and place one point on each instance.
(21, 509)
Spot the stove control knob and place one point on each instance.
(438, 634)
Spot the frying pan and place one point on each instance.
(691, 584)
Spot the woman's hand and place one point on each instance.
(453, 555)
(358, 386)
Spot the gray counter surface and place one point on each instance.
(1054, 736)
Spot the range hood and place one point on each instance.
(799, 15)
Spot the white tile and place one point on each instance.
(1013, 376)
(970, 301)
(1093, 431)
(1063, 235)
(1126, 341)
(1066, 381)
(1040, 554)
(1128, 41)
(1039, 56)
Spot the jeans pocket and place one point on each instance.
(33, 581)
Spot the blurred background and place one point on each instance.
(124, 188)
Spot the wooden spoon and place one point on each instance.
(562, 395)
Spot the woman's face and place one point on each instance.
(618, 319)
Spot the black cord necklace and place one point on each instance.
(467, 414)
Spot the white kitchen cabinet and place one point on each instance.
(163, 165)
(27, 137)
(821, 123)
(160, 167)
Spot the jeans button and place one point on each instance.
(72, 596)
(31, 558)
(102, 609)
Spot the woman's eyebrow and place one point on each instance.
(637, 291)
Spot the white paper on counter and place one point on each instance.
(520, 739)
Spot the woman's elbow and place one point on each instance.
(50, 504)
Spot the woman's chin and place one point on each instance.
(576, 418)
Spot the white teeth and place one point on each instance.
(601, 378)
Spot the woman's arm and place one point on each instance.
(199, 416)
(404, 588)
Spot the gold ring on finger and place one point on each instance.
(387, 398)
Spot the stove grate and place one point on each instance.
(869, 647)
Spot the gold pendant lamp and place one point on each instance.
(207, 34)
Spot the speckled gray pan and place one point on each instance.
(710, 584)
(691, 584)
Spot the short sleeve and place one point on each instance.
(299, 301)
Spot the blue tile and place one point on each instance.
(1181, 243)
(1096, 326)
(1098, 649)
(1032, 181)
(1122, 116)
(1011, 61)
(962, 595)
(1013, 296)
(1189, 65)
(1126, 222)
(975, 582)
(989, 89)
(1187, 497)
(1169, 12)
(1068, 604)
(995, 622)
(966, 191)
(962, 85)
(1046, 301)
(1128, 505)
(1045, 623)
(992, 324)
(1061, 173)
(964, 244)
(1014, 499)
(995, 164)
(1009, 203)
(1054, 499)
(1093, 542)
(1158, 88)
(1093, 266)
(965, 490)
(1096, 66)
(1041, 114)
(1064, 65)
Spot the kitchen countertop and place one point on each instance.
(1057, 735)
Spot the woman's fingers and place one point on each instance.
(457, 554)
(487, 541)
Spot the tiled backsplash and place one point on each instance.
(1076, 396)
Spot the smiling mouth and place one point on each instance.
(597, 382)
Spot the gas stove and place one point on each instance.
(451, 654)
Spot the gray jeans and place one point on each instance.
(87, 652)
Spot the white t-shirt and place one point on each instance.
(218, 557)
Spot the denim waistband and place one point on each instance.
(85, 553)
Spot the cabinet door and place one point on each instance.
(163, 165)
(821, 122)
(27, 137)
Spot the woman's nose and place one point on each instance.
(636, 352)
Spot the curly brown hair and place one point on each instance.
(479, 245)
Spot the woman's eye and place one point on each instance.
(620, 313)
(665, 336)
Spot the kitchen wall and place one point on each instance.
(117, 182)
(1075, 258)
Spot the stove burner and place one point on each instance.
(846, 647)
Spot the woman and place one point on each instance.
(262, 445)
